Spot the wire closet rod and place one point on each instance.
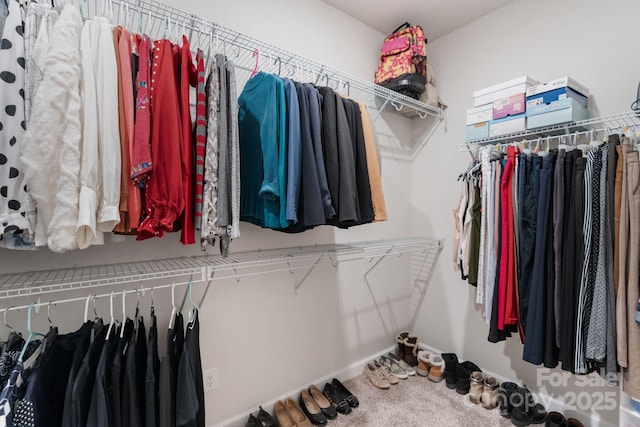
(97, 296)
(606, 124)
(162, 14)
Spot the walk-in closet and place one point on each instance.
(219, 213)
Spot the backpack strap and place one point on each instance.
(403, 26)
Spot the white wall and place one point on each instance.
(592, 41)
(266, 339)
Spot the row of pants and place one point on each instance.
(551, 241)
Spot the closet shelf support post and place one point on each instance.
(379, 260)
(308, 273)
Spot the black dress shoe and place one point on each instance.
(344, 393)
(266, 419)
(311, 409)
(332, 394)
(253, 422)
(328, 407)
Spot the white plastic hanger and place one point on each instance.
(113, 318)
(124, 313)
(32, 333)
(174, 310)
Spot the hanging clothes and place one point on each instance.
(165, 190)
(55, 135)
(152, 369)
(188, 78)
(189, 385)
(261, 122)
(101, 409)
(210, 178)
(17, 224)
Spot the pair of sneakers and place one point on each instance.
(430, 365)
(396, 366)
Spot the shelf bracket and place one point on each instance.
(386, 101)
(379, 260)
(308, 273)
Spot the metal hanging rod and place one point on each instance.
(163, 16)
(615, 122)
(207, 267)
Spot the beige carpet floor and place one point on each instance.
(414, 402)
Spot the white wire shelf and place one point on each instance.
(160, 20)
(606, 124)
(212, 266)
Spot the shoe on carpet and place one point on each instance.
(525, 411)
(344, 393)
(476, 387)
(375, 376)
(282, 415)
(555, 419)
(424, 364)
(311, 409)
(394, 367)
(572, 422)
(436, 373)
(504, 398)
(490, 393)
(391, 378)
(253, 422)
(400, 348)
(298, 417)
(326, 405)
(463, 372)
(265, 419)
(450, 370)
(332, 394)
(411, 347)
(408, 369)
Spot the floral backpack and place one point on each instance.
(403, 61)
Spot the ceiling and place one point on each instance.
(436, 17)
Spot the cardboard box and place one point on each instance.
(507, 125)
(556, 95)
(497, 87)
(556, 84)
(547, 108)
(509, 106)
(481, 114)
(477, 131)
(575, 112)
(502, 90)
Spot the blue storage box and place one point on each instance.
(478, 131)
(573, 113)
(555, 95)
(507, 125)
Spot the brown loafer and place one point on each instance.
(282, 415)
(298, 417)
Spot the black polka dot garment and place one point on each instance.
(15, 208)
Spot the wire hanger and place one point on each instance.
(49, 313)
(32, 334)
(8, 326)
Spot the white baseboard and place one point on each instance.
(551, 403)
(350, 371)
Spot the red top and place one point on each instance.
(165, 187)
